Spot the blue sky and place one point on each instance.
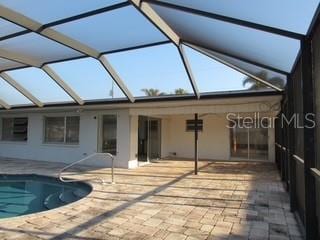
(157, 67)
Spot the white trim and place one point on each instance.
(271, 100)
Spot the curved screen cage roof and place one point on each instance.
(129, 51)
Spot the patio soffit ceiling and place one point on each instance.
(100, 51)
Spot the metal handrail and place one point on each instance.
(316, 173)
(84, 159)
(298, 159)
(282, 147)
(278, 145)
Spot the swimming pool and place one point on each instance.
(25, 194)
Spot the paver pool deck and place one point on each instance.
(164, 200)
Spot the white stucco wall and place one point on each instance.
(213, 141)
(35, 149)
(133, 151)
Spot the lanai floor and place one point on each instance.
(164, 200)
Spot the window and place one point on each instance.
(15, 129)
(109, 136)
(190, 125)
(62, 129)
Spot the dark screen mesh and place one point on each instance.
(298, 110)
(300, 183)
(316, 72)
(299, 139)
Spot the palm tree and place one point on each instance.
(180, 91)
(256, 85)
(152, 92)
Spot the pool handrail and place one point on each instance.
(109, 155)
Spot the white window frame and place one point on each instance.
(64, 131)
(12, 141)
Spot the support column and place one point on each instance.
(196, 155)
(291, 143)
(309, 142)
(281, 151)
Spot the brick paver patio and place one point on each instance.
(164, 200)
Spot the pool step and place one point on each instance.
(80, 193)
(53, 201)
(68, 196)
(59, 199)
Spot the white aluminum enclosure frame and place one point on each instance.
(146, 8)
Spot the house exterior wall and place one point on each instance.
(36, 149)
(214, 142)
(133, 152)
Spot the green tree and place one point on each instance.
(180, 91)
(152, 92)
(256, 85)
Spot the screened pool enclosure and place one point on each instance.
(77, 53)
(58, 53)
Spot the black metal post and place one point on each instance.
(285, 144)
(309, 142)
(196, 129)
(281, 142)
(277, 138)
(291, 146)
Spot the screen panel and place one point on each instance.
(7, 28)
(300, 191)
(5, 64)
(11, 96)
(38, 83)
(270, 76)
(298, 109)
(316, 74)
(276, 79)
(258, 46)
(39, 48)
(153, 71)
(49, 11)
(88, 79)
(127, 28)
(284, 14)
(212, 76)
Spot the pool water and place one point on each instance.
(25, 194)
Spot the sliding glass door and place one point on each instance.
(258, 141)
(154, 138)
(239, 142)
(149, 138)
(249, 142)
